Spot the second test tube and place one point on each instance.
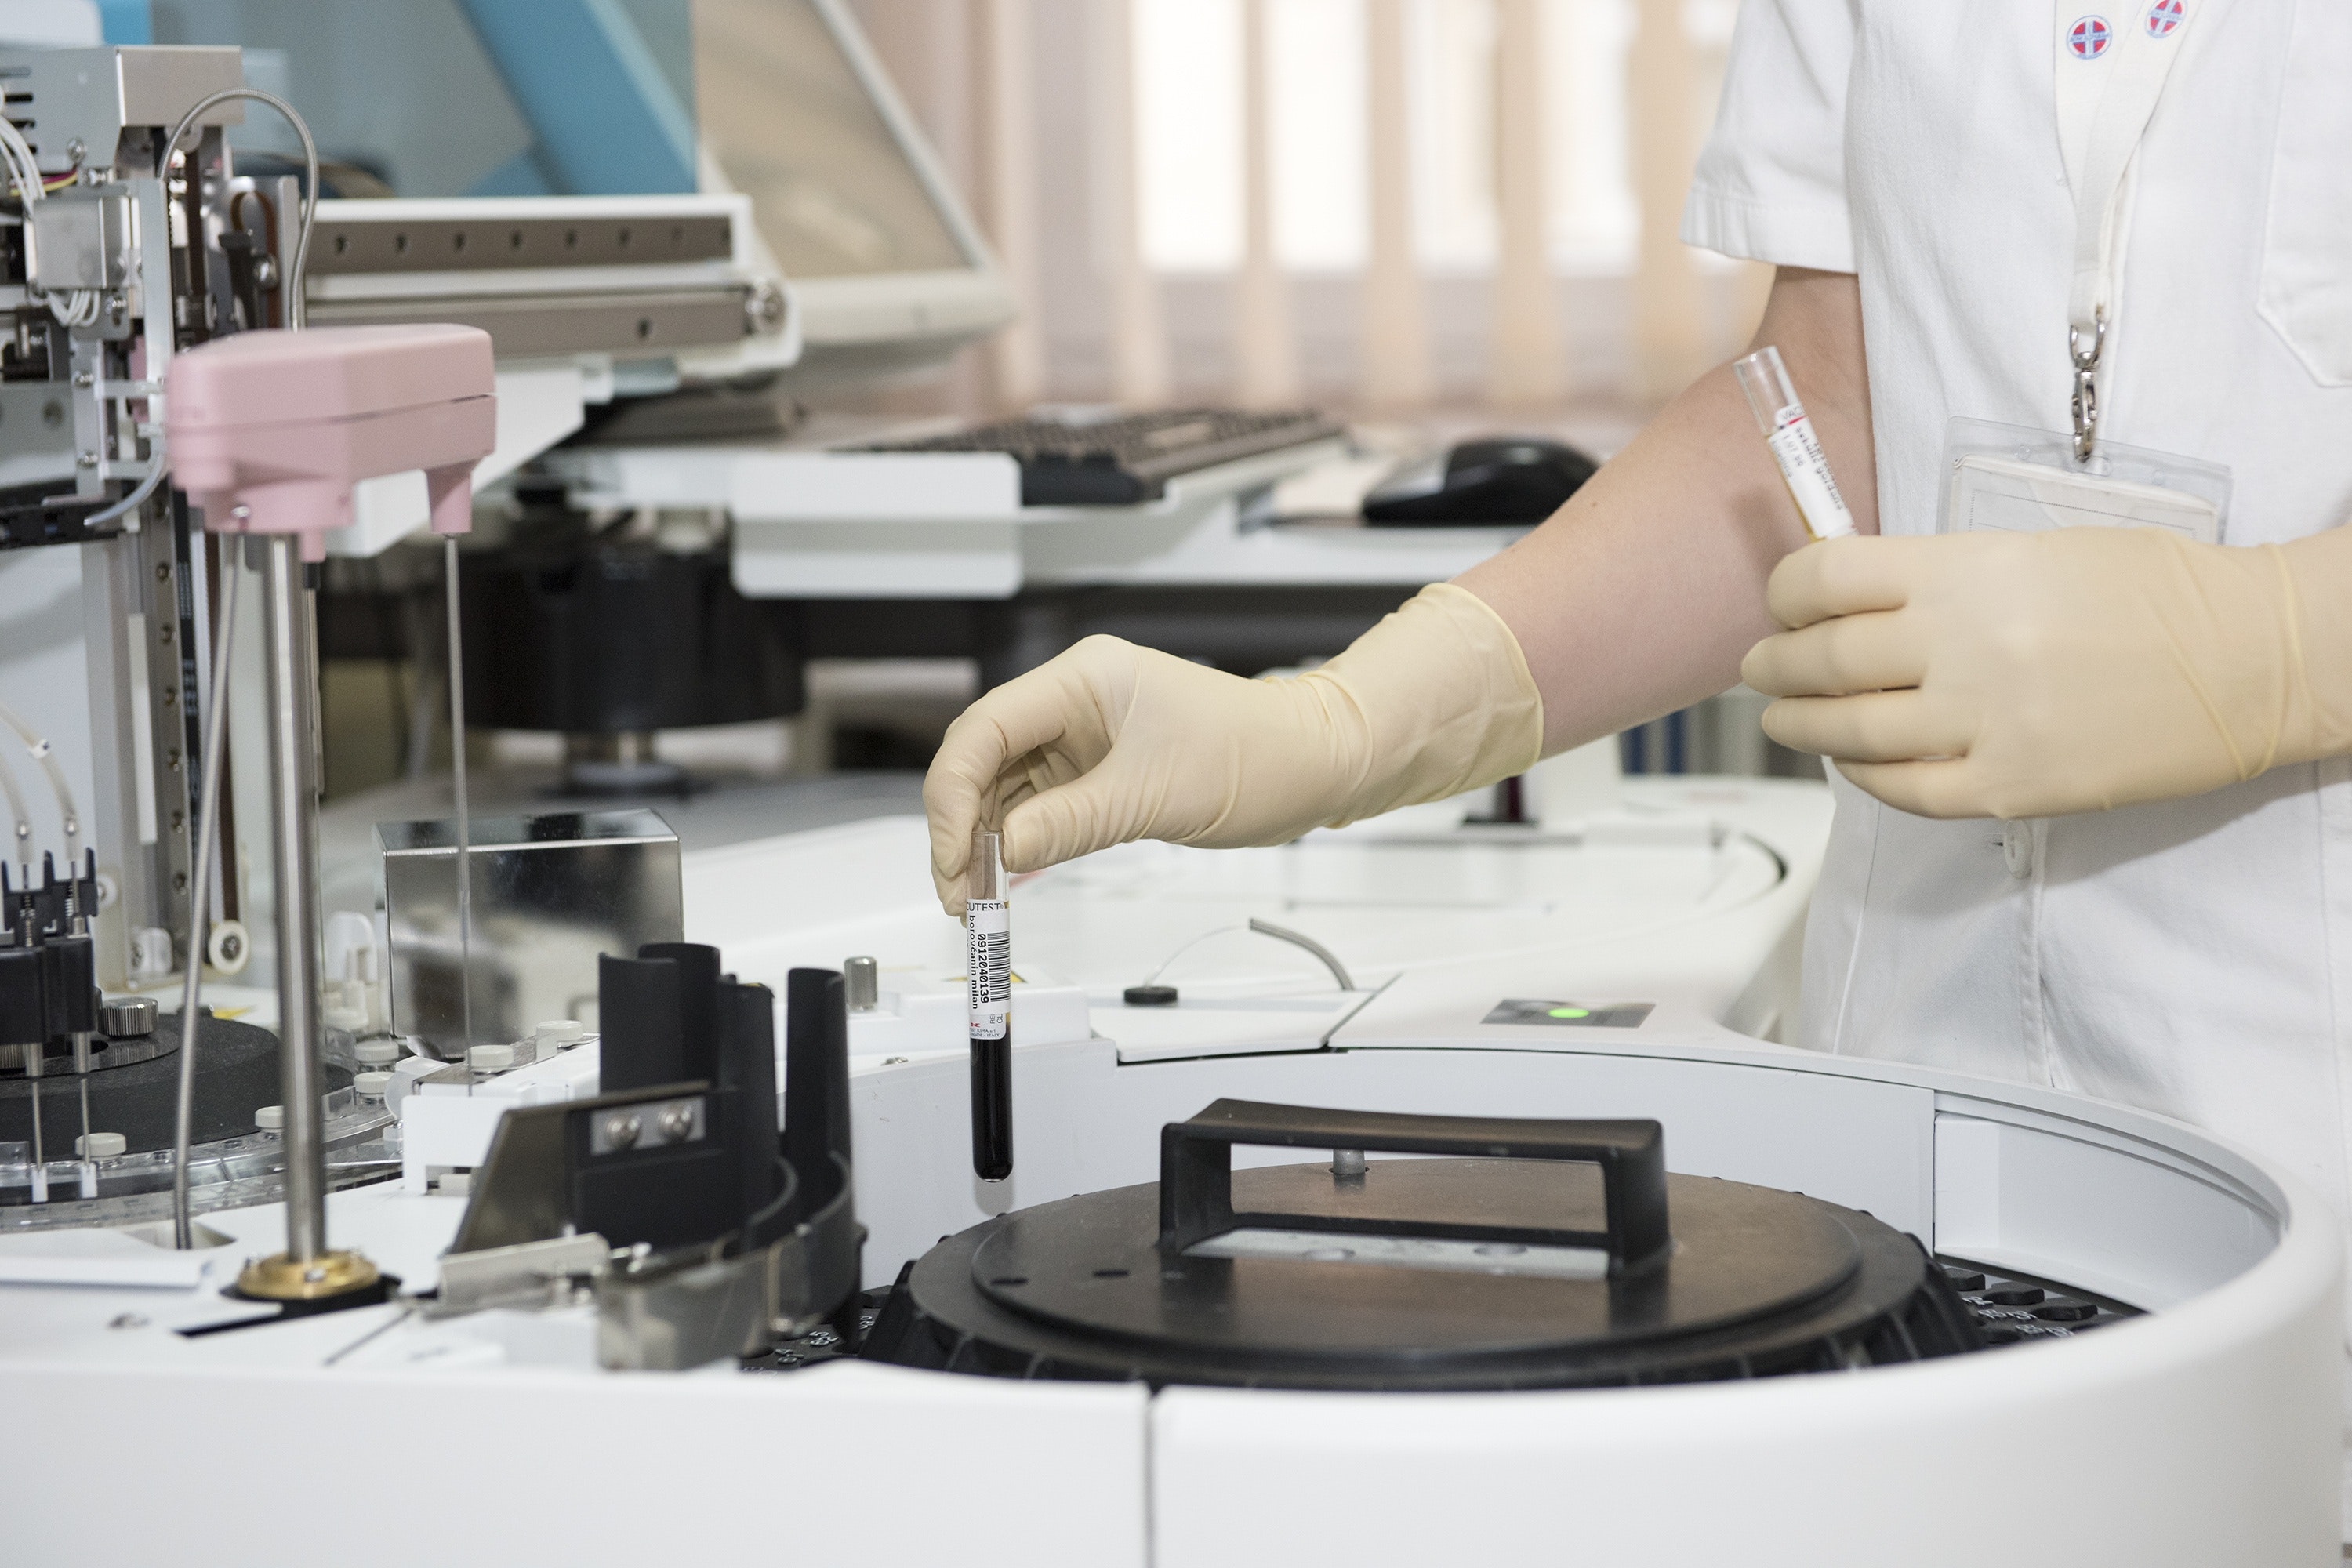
(1763, 376)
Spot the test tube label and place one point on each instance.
(988, 939)
(1806, 468)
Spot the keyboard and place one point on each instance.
(1089, 457)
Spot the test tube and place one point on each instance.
(1772, 397)
(988, 943)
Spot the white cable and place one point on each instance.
(1184, 948)
(24, 173)
(1263, 928)
(73, 307)
(46, 755)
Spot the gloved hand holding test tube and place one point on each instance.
(1772, 397)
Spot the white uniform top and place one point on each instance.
(2192, 957)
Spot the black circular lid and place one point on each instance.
(1541, 1254)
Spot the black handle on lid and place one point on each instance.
(1196, 1172)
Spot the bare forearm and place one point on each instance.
(1640, 596)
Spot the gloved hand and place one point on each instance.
(2032, 675)
(1110, 741)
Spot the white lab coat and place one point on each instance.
(2193, 957)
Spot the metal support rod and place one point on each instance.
(463, 810)
(293, 840)
(33, 1070)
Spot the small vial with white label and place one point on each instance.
(1772, 397)
(988, 943)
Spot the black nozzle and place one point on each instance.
(747, 1066)
(640, 1017)
(816, 1079)
(69, 985)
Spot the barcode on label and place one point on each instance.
(991, 966)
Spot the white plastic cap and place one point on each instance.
(377, 1053)
(269, 1118)
(150, 952)
(490, 1059)
(101, 1145)
(373, 1085)
(558, 1032)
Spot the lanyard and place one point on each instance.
(2110, 75)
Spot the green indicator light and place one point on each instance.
(1571, 1013)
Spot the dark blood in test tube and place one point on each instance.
(991, 1107)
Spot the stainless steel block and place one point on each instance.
(549, 894)
(82, 239)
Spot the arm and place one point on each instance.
(1638, 598)
(1642, 593)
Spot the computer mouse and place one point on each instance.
(1500, 479)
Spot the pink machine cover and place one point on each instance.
(269, 431)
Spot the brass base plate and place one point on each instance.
(281, 1278)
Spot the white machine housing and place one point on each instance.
(2204, 1432)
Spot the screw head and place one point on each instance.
(622, 1128)
(676, 1121)
(764, 310)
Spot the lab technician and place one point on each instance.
(2094, 823)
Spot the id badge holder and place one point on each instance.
(2012, 479)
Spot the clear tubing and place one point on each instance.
(21, 825)
(156, 468)
(1804, 466)
(199, 896)
(46, 755)
(988, 943)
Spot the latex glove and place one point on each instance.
(1110, 741)
(2032, 675)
